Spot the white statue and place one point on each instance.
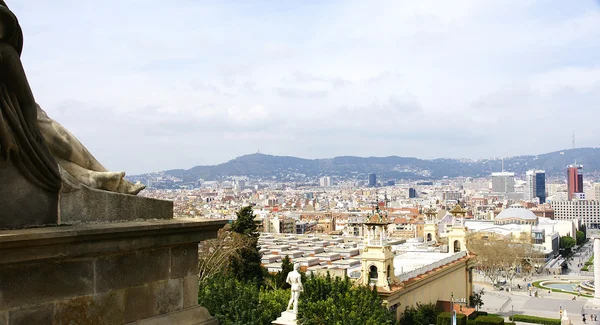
(565, 320)
(294, 280)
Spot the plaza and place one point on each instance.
(546, 304)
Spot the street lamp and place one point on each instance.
(560, 312)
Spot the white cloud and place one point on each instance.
(151, 85)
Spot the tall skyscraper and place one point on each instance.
(574, 180)
(325, 181)
(372, 180)
(503, 182)
(535, 185)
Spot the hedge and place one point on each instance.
(445, 318)
(489, 320)
(535, 320)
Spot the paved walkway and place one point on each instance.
(546, 304)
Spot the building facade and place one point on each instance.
(503, 182)
(325, 181)
(588, 211)
(574, 180)
(535, 185)
(372, 180)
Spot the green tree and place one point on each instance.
(422, 314)
(235, 302)
(580, 235)
(286, 267)
(247, 266)
(566, 243)
(340, 302)
(583, 229)
(477, 299)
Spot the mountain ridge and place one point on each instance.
(259, 165)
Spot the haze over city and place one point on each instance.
(150, 85)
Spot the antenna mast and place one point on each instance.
(573, 139)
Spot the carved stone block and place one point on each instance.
(23, 204)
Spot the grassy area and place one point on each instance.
(535, 319)
(537, 285)
(587, 264)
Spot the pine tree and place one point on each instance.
(247, 266)
(328, 300)
(281, 276)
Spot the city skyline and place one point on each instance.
(182, 83)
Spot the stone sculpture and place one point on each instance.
(565, 320)
(288, 317)
(43, 151)
(295, 281)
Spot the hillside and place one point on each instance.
(393, 167)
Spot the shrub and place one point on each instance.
(489, 320)
(445, 318)
(476, 314)
(535, 320)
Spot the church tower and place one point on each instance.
(377, 258)
(430, 231)
(457, 238)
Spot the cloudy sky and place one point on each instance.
(151, 85)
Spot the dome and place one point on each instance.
(516, 213)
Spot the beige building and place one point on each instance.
(415, 277)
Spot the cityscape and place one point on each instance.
(325, 225)
(409, 162)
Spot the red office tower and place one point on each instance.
(574, 180)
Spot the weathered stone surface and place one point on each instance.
(25, 245)
(3, 318)
(139, 303)
(168, 296)
(41, 314)
(102, 309)
(24, 204)
(190, 291)
(184, 260)
(62, 266)
(90, 205)
(132, 269)
(189, 316)
(38, 283)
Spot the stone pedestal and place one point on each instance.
(84, 205)
(142, 272)
(286, 318)
(23, 204)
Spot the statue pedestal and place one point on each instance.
(286, 318)
(87, 205)
(23, 204)
(142, 272)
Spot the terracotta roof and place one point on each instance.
(460, 309)
(400, 221)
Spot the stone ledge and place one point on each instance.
(189, 316)
(90, 205)
(36, 244)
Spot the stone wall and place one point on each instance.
(103, 274)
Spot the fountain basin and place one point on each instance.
(585, 287)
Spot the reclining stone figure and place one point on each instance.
(36, 144)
